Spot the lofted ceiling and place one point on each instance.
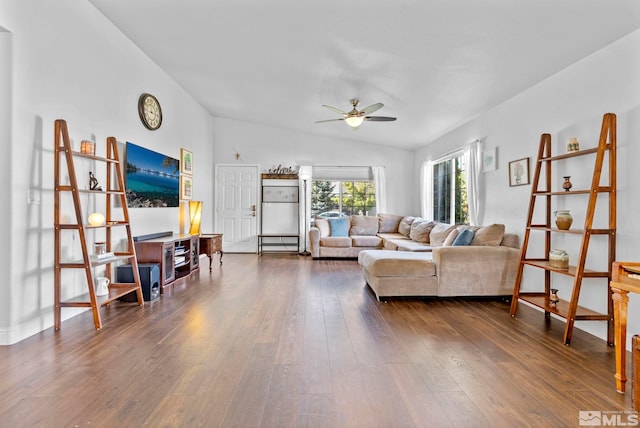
(435, 64)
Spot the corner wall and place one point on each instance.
(570, 103)
(69, 62)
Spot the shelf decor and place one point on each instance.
(87, 147)
(96, 219)
(519, 172)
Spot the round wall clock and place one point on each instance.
(150, 111)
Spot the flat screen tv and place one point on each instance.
(152, 179)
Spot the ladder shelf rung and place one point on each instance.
(84, 300)
(561, 308)
(571, 271)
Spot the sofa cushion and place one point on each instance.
(366, 241)
(405, 225)
(388, 223)
(397, 263)
(409, 245)
(464, 238)
(323, 226)
(439, 233)
(451, 237)
(363, 225)
(420, 231)
(339, 226)
(336, 241)
(489, 235)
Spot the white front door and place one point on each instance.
(236, 207)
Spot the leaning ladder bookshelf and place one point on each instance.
(64, 156)
(570, 310)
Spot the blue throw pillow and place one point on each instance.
(464, 238)
(339, 226)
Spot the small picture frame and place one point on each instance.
(489, 162)
(519, 172)
(186, 162)
(186, 187)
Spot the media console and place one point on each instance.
(177, 254)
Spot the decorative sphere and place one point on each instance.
(96, 219)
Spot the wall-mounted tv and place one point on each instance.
(152, 179)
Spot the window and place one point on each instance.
(450, 190)
(335, 198)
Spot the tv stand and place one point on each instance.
(177, 254)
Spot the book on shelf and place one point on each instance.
(103, 256)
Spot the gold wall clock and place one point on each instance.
(150, 111)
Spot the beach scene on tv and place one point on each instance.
(152, 179)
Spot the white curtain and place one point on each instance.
(304, 178)
(379, 182)
(472, 161)
(426, 191)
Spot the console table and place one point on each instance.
(279, 240)
(210, 244)
(625, 279)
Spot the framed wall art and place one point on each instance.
(489, 160)
(186, 162)
(519, 172)
(186, 187)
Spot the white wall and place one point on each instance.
(269, 147)
(68, 61)
(570, 103)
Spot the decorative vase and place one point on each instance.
(563, 219)
(567, 183)
(559, 259)
(553, 297)
(573, 145)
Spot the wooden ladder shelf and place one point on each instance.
(570, 310)
(64, 156)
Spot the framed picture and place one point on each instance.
(519, 172)
(186, 187)
(186, 165)
(489, 160)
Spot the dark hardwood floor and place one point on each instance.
(285, 341)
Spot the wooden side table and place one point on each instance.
(211, 244)
(622, 283)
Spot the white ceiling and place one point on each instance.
(435, 64)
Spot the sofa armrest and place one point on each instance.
(476, 270)
(314, 241)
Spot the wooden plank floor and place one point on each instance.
(285, 341)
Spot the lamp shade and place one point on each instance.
(195, 217)
(96, 219)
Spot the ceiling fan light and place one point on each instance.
(354, 121)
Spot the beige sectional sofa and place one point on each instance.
(409, 256)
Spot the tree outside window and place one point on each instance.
(342, 197)
(450, 191)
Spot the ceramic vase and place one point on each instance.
(553, 297)
(573, 145)
(567, 185)
(563, 219)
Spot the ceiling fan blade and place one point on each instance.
(373, 107)
(329, 120)
(337, 110)
(380, 118)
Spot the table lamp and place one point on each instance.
(195, 216)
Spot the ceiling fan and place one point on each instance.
(355, 117)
